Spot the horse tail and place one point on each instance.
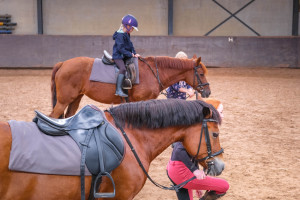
(53, 85)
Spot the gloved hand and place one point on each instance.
(199, 174)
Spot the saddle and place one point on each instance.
(102, 148)
(130, 75)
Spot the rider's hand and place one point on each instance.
(136, 55)
(199, 174)
(191, 93)
(199, 193)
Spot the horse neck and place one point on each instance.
(157, 140)
(170, 75)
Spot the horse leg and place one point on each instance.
(73, 107)
(58, 110)
(66, 95)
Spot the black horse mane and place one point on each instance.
(163, 113)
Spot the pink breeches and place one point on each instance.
(179, 173)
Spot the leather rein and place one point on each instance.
(155, 75)
(196, 75)
(178, 186)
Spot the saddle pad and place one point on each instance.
(35, 152)
(107, 73)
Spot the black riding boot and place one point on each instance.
(119, 90)
(211, 195)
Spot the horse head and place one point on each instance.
(197, 78)
(202, 142)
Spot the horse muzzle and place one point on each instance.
(205, 91)
(215, 167)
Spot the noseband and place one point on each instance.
(197, 76)
(204, 129)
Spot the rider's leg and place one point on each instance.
(182, 193)
(122, 69)
(178, 172)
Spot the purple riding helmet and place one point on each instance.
(131, 21)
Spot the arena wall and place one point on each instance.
(26, 51)
(190, 17)
(74, 28)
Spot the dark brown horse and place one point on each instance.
(152, 126)
(70, 81)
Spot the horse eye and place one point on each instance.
(215, 135)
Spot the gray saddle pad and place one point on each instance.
(92, 132)
(35, 152)
(108, 73)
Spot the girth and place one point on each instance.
(102, 148)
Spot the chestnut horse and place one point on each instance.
(70, 81)
(151, 126)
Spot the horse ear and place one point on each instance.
(198, 61)
(194, 57)
(207, 113)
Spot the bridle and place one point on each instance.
(197, 76)
(178, 186)
(204, 129)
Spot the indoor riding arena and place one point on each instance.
(250, 48)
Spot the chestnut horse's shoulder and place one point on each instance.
(4, 128)
(5, 143)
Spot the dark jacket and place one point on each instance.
(123, 47)
(180, 154)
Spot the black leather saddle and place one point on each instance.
(101, 145)
(107, 58)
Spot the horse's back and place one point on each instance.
(75, 69)
(78, 63)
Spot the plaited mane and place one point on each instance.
(162, 113)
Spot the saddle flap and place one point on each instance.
(111, 146)
(88, 117)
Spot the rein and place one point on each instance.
(196, 76)
(173, 187)
(178, 186)
(157, 74)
